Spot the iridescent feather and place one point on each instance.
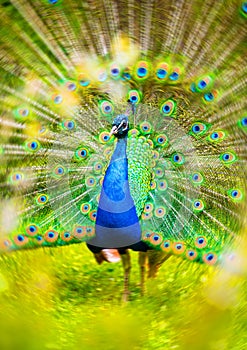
(69, 68)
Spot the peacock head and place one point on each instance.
(120, 126)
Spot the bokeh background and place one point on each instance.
(61, 299)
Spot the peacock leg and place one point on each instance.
(142, 263)
(155, 260)
(99, 257)
(125, 256)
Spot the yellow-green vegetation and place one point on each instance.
(61, 299)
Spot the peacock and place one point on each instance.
(124, 125)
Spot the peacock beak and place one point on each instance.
(114, 130)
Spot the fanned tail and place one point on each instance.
(68, 68)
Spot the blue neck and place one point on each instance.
(120, 150)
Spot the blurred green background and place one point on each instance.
(61, 299)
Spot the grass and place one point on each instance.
(61, 299)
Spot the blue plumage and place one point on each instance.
(117, 223)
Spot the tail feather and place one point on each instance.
(177, 69)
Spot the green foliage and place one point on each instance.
(61, 299)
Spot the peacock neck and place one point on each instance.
(120, 149)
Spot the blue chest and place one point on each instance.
(117, 224)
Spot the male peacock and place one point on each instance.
(123, 124)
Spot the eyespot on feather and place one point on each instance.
(79, 231)
(199, 129)
(216, 136)
(32, 230)
(57, 99)
(168, 108)
(177, 159)
(155, 239)
(235, 194)
(83, 81)
(146, 235)
(178, 248)
(200, 242)
(90, 181)
(66, 236)
(197, 178)
(146, 215)
(148, 208)
(160, 212)
(104, 137)
(198, 205)
(115, 71)
(81, 153)
(142, 70)
(145, 128)
(209, 258)
(161, 71)
(51, 236)
(42, 199)
(161, 140)
(32, 146)
(191, 254)
(106, 108)
(69, 124)
(85, 208)
(134, 96)
(20, 240)
(228, 158)
(92, 215)
(166, 246)
(90, 231)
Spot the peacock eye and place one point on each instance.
(178, 159)
(142, 70)
(51, 236)
(210, 96)
(202, 84)
(200, 242)
(244, 121)
(174, 76)
(42, 199)
(70, 86)
(32, 145)
(198, 205)
(115, 71)
(235, 194)
(57, 99)
(134, 96)
(32, 230)
(228, 157)
(178, 247)
(216, 136)
(24, 112)
(197, 178)
(168, 108)
(106, 107)
(81, 153)
(209, 258)
(244, 8)
(161, 73)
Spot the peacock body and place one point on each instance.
(175, 73)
